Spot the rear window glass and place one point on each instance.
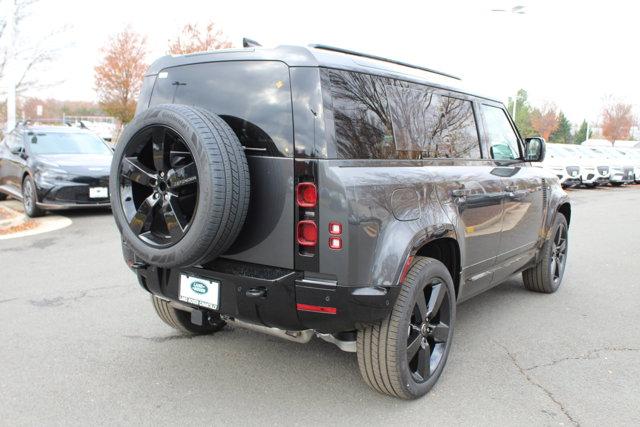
(253, 97)
(380, 118)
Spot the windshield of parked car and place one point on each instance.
(66, 143)
(615, 154)
(633, 153)
(554, 151)
(586, 152)
(569, 152)
(612, 154)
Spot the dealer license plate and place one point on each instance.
(98, 192)
(198, 291)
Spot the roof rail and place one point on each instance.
(380, 58)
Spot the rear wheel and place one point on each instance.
(181, 320)
(546, 275)
(30, 198)
(405, 354)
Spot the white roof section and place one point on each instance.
(594, 142)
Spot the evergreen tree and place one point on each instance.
(523, 114)
(562, 135)
(581, 134)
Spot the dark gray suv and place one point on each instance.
(315, 191)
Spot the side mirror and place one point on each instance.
(535, 149)
(17, 150)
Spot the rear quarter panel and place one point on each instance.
(386, 208)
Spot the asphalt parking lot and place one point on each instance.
(80, 343)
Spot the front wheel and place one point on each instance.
(30, 198)
(405, 354)
(547, 274)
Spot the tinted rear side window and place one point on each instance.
(253, 97)
(360, 112)
(433, 125)
(380, 118)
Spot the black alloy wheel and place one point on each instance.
(428, 330)
(546, 275)
(405, 354)
(158, 186)
(179, 185)
(558, 254)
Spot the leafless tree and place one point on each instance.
(30, 55)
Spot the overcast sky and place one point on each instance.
(573, 53)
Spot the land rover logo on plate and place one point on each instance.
(199, 288)
(199, 291)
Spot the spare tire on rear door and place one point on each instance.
(179, 185)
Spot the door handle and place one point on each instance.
(459, 192)
(459, 195)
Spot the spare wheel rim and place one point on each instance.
(159, 186)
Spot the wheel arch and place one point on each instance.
(565, 209)
(446, 250)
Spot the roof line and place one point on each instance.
(380, 58)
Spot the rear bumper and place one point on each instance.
(279, 298)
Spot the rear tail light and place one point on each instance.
(307, 233)
(335, 243)
(306, 195)
(335, 228)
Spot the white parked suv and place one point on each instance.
(633, 154)
(621, 168)
(594, 170)
(562, 164)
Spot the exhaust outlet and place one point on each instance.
(301, 337)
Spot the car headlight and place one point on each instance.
(53, 174)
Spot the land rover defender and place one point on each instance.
(319, 192)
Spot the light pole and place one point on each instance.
(9, 76)
(518, 9)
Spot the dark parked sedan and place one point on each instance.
(49, 167)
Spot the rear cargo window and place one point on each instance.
(253, 97)
(380, 118)
(360, 112)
